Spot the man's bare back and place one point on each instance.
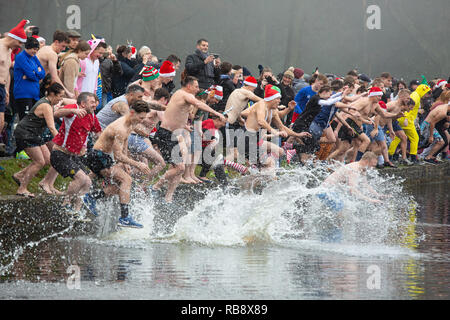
(47, 56)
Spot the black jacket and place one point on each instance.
(196, 67)
(260, 91)
(228, 87)
(120, 83)
(108, 68)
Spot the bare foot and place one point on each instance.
(57, 192)
(184, 181)
(46, 188)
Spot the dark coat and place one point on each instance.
(120, 83)
(108, 68)
(196, 67)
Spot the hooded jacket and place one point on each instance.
(90, 68)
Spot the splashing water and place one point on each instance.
(287, 212)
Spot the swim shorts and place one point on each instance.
(98, 160)
(65, 164)
(137, 144)
(166, 142)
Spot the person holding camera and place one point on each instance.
(203, 65)
(265, 78)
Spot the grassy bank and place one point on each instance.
(11, 166)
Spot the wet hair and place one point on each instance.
(188, 80)
(82, 46)
(325, 88)
(123, 50)
(411, 102)
(337, 85)
(173, 58)
(140, 106)
(134, 88)
(60, 36)
(199, 41)
(161, 93)
(369, 156)
(237, 67)
(225, 67)
(54, 88)
(32, 43)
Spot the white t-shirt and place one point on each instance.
(90, 81)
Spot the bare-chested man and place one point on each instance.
(436, 124)
(169, 139)
(402, 104)
(236, 103)
(259, 118)
(350, 179)
(139, 143)
(48, 56)
(365, 109)
(13, 40)
(109, 159)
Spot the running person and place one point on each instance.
(108, 159)
(259, 118)
(28, 136)
(70, 145)
(168, 137)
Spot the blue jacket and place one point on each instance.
(302, 98)
(27, 76)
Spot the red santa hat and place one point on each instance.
(375, 91)
(18, 32)
(440, 84)
(167, 70)
(271, 93)
(218, 91)
(251, 81)
(38, 38)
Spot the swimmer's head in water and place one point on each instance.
(369, 160)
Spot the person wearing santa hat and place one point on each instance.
(237, 102)
(257, 150)
(367, 108)
(14, 40)
(440, 87)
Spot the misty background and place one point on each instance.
(333, 35)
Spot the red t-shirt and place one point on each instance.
(208, 125)
(74, 130)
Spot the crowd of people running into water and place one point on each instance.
(112, 120)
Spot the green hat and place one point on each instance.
(149, 74)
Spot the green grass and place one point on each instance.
(11, 166)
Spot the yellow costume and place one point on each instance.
(410, 128)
